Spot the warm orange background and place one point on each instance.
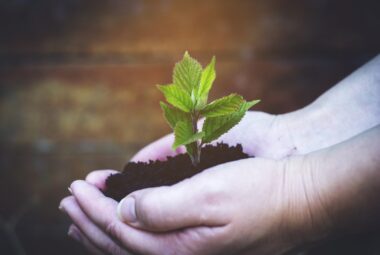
(77, 83)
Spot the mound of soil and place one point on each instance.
(142, 175)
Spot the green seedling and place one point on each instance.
(188, 95)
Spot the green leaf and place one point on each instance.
(173, 115)
(249, 104)
(177, 97)
(214, 127)
(223, 106)
(187, 73)
(190, 150)
(207, 79)
(184, 134)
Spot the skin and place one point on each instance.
(306, 184)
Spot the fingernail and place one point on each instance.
(126, 210)
(74, 234)
(61, 207)
(70, 190)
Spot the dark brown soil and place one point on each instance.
(141, 175)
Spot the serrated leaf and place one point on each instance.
(173, 115)
(184, 134)
(207, 79)
(223, 106)
(249, 104)
(214, 127)
(176, 97)
(187, 73)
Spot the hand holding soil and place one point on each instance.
(251, 206)
(212, 213)
(286, 197)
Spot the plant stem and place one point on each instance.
(196, 146)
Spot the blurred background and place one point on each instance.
(77, 86)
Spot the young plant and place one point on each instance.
(188, 96)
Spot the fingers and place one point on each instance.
(93, 233)
(98, 177)
(101, 212)
(187, 204)
(158, 150)
(75, 233)
(95, 215)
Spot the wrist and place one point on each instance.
(306, 219)
(309, 128)
(345, 184)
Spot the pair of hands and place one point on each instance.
(262, 205)
(252, 206)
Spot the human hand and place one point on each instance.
(269, 138)
(261, 134)
(251, 206)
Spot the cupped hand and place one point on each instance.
(261, 134)
(251, 206)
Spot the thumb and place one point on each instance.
(186, 204)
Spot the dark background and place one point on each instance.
(77, 86)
